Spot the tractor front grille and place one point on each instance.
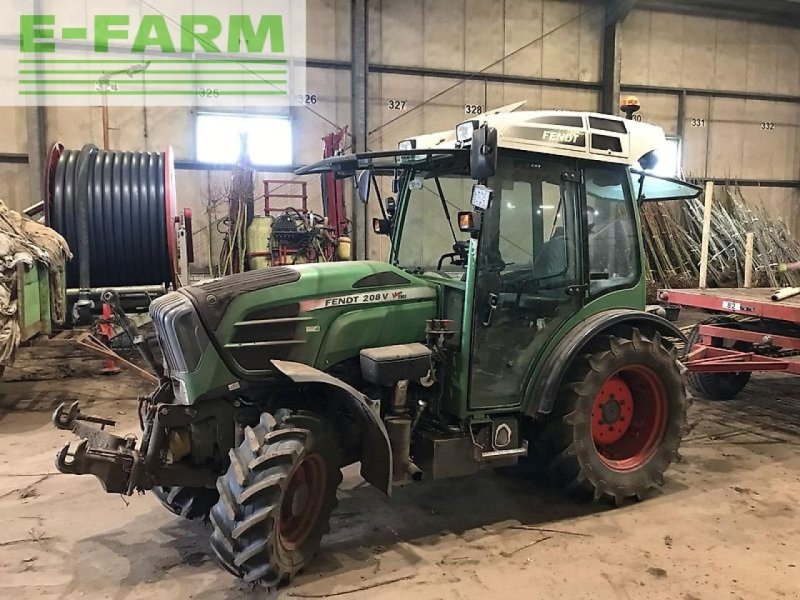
(182, 338)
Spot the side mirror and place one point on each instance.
(483, 159)
(381, 226)
(363, 184)
(391, 208)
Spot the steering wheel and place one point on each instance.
(458, 256)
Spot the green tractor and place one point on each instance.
(507, 326)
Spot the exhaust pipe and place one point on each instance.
(399, 432)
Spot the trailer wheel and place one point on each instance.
(187, 502)
(718, 386)
(620, 419)
(276, 498)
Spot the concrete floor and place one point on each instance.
(726, 525)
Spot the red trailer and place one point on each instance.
(748, 333)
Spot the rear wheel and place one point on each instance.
(187, 502)
(718, 386)
(276, 498)
(621, 418)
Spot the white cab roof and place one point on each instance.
(585, 135)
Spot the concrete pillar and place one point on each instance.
(616, 11)
(35, 124)
(612, 67)
(358, 124)
(37, 141)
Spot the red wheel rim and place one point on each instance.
(629, 417)
(302, 501)
(49, 177)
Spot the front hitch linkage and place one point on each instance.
(120, 466)
(112, 459)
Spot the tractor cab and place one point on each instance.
(527, 223)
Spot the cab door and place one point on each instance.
(529, 274)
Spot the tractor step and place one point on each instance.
(441, 456)
(494, 455)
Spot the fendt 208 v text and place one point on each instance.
(508, 325)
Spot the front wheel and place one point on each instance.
(186, 502)
(621, 418)
(276, 498)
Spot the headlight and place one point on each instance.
(649, 161)
(407, 145)
(464, 131)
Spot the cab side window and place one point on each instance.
(613, 238)
(553, 247)
(516, 224)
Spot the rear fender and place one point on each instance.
(542, 391)
(376, 453)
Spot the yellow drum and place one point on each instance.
(343, 248)
(258, 236)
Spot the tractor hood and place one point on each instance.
(315, 314)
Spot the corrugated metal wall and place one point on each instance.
(554, 46)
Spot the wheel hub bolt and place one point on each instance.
(611, 412)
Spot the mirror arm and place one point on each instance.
(639, 198)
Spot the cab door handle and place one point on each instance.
(492, 303)
(576, 290)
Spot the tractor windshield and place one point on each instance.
(533, 231)
(426, 237)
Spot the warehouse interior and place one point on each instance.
(716, 271)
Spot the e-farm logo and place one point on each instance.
(165, 53)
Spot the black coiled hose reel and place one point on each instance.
(117, 212)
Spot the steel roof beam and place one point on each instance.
(776, 12)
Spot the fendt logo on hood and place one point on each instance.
(560, 136)
(378, 296)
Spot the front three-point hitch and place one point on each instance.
(112, 459)
(120, 465)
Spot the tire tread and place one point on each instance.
(246, 543)
(187, 502)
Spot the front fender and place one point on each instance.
(376, 453)
(542, 390)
